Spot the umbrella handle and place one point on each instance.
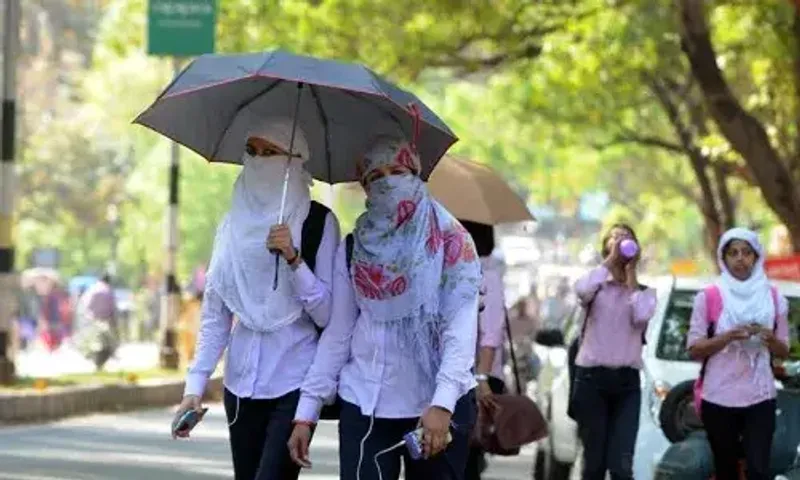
(277, 264)
(286, 175)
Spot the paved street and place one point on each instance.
(136, 446)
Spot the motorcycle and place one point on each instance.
(97, 340)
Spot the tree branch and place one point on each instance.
(644, 140)
(742, 130)
(697, 159)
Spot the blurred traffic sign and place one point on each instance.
(684, 267)
(783, 268)
(181, 28)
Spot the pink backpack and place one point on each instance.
(713, 312)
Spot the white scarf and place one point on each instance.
(242, 270)
(748, 301)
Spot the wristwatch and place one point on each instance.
(481, 377)
(291, 261)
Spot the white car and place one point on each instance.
(556, 454)
(666, 363)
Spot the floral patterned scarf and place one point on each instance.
(414, 265)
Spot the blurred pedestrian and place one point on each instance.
(491, 336)
(737, 326)
(189, 319)
(97, 333)
(273, 341)
(98, 302)
(400, 347)
(606, 393)
(555, 309)
(53, 311)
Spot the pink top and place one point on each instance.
(617, 318)
(100, 301)
(491, 326)
(733, 377)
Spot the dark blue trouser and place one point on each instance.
(353, 429)
(259, 436)
(606, 402)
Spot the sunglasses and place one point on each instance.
(267, 150)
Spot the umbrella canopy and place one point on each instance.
(475, 192)
(212, 105)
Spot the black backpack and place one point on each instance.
(313, 228)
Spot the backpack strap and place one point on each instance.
(349, 242)
(713, 307)
(776, 303)
(313, 229)
(713, 312)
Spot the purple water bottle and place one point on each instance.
(628, 248)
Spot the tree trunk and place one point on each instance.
(743, 131)
(716, 214)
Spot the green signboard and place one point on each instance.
(181, 28)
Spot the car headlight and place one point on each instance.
(658, 393)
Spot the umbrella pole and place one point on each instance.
(286, 174)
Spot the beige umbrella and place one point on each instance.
(475, 192)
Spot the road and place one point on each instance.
(136, 446)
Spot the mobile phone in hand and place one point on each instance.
(414, 443)
(188, 421)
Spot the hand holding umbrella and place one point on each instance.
(286, 175)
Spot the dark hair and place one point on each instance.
(482, 235)
(106, 278)
(604, 252)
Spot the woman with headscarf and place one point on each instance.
(401, 343)
(737, 326)
(273, 342)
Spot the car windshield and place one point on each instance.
(672, 340)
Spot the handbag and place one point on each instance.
(513, 422)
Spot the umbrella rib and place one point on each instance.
(236, 112)
(174, 81)
(324, 119)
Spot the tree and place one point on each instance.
(772, 158)
(394, 39)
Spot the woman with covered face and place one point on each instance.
(400, 346)
(273, 341)
(737, 326)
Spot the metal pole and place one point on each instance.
(8, 279)
(171, 295)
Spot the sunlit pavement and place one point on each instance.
(137, 446)
(66, 360)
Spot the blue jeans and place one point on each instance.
(606, 404)
(385, 432)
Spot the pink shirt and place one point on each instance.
(491, 326)
(100, 301)
(617, 318)
(734, 378)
